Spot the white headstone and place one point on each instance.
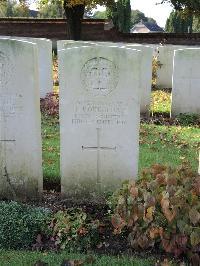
(45, 65)
(146, 66)
(20, 125)
(145, 76)
(45, 62)
(165, 56)
(99, 118)
(63, 44)
(145, 72)
(186, 82)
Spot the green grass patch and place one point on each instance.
(22, 258)
(51, 149)
(168, 145)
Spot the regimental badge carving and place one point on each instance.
(99, 76)
(6, 70)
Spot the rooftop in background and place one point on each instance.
(146, 27)
(33, 13)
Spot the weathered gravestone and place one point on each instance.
(145, 76)
(99, 118)
(20, 133)
(44, 61)
(145, 72)
(63, 44)
(186, 82)
(165, 56)
(45, 65)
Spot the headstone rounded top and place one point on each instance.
(99, 76)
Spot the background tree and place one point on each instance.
(100, 15)
(11, 8)
(120, 13)
(178, 23)
(187, 6)
(51, 9)
(21, 10)
(6, 8)
(137, 16)
(124, 15)
(196, 24)
(74, 11)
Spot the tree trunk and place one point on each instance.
(74, 16)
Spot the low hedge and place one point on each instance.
(20, 224)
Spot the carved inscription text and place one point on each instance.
(99, 113)
(6, 70)
(10, 105)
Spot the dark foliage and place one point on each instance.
(20, 224)
(50, 104)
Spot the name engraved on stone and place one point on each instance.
(99, 76)
(99, 113)
(10, 105)
(6, 69)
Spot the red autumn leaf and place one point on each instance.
(156, 232)
(157, 169)
(133, 190)
(169, 214)
(171, 181)
(118, 223)
(196, 186)
(161, 179)
(82, 231)
(168, 245)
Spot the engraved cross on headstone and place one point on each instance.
(98, 148)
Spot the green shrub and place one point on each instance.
(161, 209)
(188, 119)
(74, 229)
(20, 224)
